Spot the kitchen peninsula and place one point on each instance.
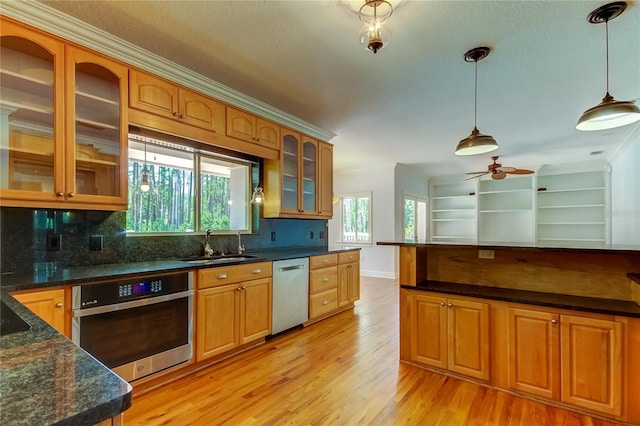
(552, 324)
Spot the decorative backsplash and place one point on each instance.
(30, 236)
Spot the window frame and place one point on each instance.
(417, 217)
(356, 195)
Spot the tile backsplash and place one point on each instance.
(32, 236)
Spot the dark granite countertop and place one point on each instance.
(578, 303)
(46, 379)
(53, 275)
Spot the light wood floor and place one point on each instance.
(341, 371)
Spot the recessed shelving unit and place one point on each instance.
(453, 211)
(505, 210)
(572, 209)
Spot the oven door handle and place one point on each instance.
(132, 304)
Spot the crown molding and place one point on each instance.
(67, 27)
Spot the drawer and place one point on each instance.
(222, 275)
(323, 279)
(323, 303)
(349, 256)
(323, 261)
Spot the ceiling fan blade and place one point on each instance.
(477, 173)
(506, 169)
(473, 177)
(520, 172)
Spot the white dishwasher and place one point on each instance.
(290, 293)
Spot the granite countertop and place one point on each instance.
(561, 301)
(46, 379)
(54, 275)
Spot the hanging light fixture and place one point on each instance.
(476, 142)
(258, 196)
(144, 185)
(609, 113)
(373, 13)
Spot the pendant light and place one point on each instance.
(144, 185)
(609, 113)
(371, 36)
(476, 142)
(258, 196)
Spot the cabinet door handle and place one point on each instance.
(441, 303)
(256, 271)
(60, 194)
(554, 321)
(71, 194)
(450, 305)
(325, 302)
(222, 276)
(59, 305)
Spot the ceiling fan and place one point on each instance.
(499, 172)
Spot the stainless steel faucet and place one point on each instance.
(240, 245)
(208, 251)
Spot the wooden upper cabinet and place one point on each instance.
(247, 127)
(325, 180)
(592, 357)
(160, 97)
(534, 352)
(63, 124)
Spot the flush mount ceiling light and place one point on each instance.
(476, 142)
(373, 13)
(609, 113)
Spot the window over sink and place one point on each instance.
(189, 190)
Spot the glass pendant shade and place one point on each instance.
(609, 114)
(144, 185)
(476, 143)
(373, 13)
(258, 196)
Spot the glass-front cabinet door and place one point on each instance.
(309, 181)
(97, 130)
(31, 115)
(290, 171)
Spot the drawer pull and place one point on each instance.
(59, 305)
(256, 271)
(325, 279)
(350, 257)
(325, 302)
(222, 276)
(325, 260)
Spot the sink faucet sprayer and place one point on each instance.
(208, 251)
(240, 245)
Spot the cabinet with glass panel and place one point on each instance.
(291, 183)
(63, 125)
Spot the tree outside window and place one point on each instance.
(356, 218)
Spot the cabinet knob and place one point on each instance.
(59, 305)
(181, 116)
(222, 276)
(256, 271)
(450, 305)
(325, 302)
(325, 279)
(60, 194)
(441, 303)
(239, 289)
(71, 194)
(175, 114)
(554, 321)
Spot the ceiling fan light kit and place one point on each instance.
(498, 172)
(372, 17)
(609, 113)
(476, 142)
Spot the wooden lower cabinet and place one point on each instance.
(348, 277)
(234, 314)
(534, 352)
(451, 334)
(592, 363)
(334, 283)
(577, 359)
(48, 305)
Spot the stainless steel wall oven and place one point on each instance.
(136, 326)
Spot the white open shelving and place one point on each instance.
(453, 211)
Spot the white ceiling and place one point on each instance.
(413, 101)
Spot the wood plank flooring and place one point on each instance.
(341, 371)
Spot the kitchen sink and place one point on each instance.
(215, 260)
